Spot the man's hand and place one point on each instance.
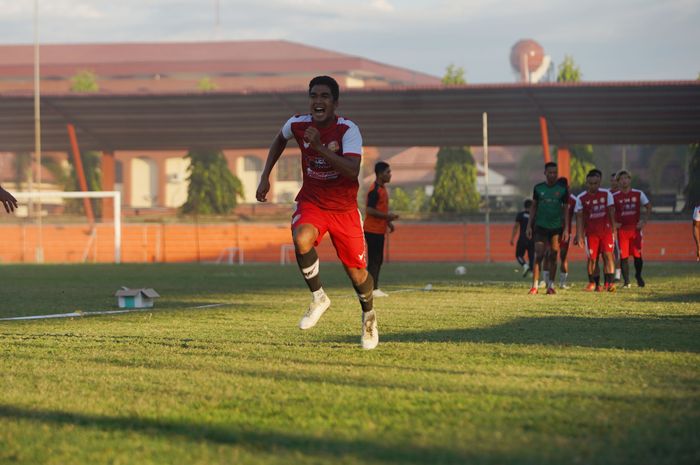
(565, 235)
(390, 225)
(263, 189)
(392, 217)
(579, 241)
(313, 137)
(528, 232)
(511, 242)
(8, 200)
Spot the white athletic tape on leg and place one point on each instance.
(311, 271)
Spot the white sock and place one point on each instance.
(318, 295)
(545, 276)
(618, 272)
(562, 278)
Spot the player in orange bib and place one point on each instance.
(331, 149)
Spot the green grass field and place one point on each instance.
(474, 371)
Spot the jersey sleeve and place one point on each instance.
(352, 141)
(373, 197)
(610, 202)
(565, 197)
(696, 214)
(287, 129)
(519, 217)
(534, 195)
(643, 199)
(578, 206)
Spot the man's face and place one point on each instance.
(613, 182)
(321, 104)
(551, 174)
(386, 176)
(625, 181)
(592, 184)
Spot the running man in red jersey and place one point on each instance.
(696, 231)
(595, 215)
(331, 149)
(630, 221)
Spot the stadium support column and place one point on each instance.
(80, 172)
(564, 162)
(108, 179)
(545, 139)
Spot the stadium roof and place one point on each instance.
(582, 113)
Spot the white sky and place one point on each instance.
(608, 39)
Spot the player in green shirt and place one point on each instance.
(548, 224)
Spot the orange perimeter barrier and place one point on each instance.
(412, 242)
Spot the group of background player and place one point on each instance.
(609, 224)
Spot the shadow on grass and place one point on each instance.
(671, 333)
(688, 297)
(267, 442)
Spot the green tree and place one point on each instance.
(692, 190)
(399, 200)
(454, 75)
(568, 71)
(84, 81)
(455, 182)
(213, 188)
(206, 84)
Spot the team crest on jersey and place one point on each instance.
(333, 146)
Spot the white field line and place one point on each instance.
(104, 312)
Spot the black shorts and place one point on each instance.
(545, 234)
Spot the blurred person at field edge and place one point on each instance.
(696, 231)
(8, 200)
(630, 220)
(614, 188)
(331, 151)
(547, 225)
(377, 221)
(564, 244)
(524, 244)
(595, 217)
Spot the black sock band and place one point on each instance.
(638, 263)
(609, 278)
(625, 267)
(364, 293)
(590, 278)
(309, 266)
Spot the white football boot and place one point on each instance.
(370, 334)
(316, 309)
(379, 293)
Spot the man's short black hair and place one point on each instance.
(621, 173)
(527, 204)
(380, 167)
(549, 164)
(326, 81)
(594, 172)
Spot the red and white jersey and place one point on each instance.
(595, 210)
(628, 207)
(323, 185)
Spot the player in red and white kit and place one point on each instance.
(595, 215)
(630, 220)
(331, 149)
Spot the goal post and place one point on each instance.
(60, 195)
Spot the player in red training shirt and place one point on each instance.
(595, 215)
(331, 149)
(630, 220)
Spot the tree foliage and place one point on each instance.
(692, 190)
(414, 202)
(455, 182)
(568, 71)
(213, 188)
(206, 84)
(454, 75)
(84, 81)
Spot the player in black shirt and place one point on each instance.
(524, 244)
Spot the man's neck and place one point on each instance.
(379, 182)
